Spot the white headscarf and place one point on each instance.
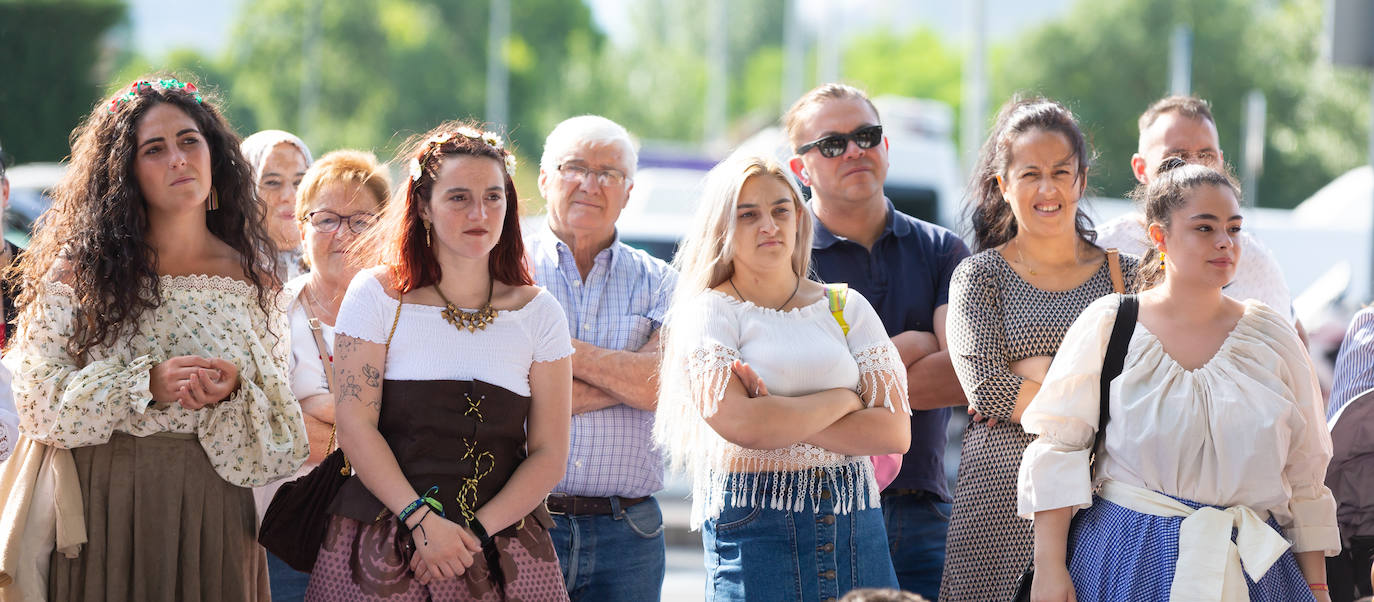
(256, 148)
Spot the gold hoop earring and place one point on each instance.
(213, 203)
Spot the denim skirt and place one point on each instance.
(758, 553)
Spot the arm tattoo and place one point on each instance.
(349, 390)
(374, 377)
(345, 345)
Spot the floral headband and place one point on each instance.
(417, 164)
(142, 85)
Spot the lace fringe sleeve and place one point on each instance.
(708, 371)
(883, 377)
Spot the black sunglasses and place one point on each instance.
(834, 145)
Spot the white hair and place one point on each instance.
(583, 130)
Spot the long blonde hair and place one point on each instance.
(704, 260)
(706, 256)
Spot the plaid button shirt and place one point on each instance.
(619, 306)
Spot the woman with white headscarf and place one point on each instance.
(279, 160)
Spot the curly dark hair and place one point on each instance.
(95, 235)
(990, 216)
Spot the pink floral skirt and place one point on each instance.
(360, 561)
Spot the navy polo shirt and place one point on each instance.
(905, 277)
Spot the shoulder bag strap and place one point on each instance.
(1114, 270)
(1115, 359)
(326, 357)
(400, 297)
(836, 294)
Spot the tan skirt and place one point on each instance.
(162, 526)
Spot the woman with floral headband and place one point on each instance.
(151, 346)
(454, 390)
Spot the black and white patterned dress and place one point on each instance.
(996, 318)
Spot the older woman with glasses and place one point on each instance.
(338, 199)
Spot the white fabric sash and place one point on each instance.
(1209, 564)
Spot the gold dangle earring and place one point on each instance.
(1161, 259)
(427, 241)
(213, 203)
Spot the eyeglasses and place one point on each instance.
(325, 221)
(834, 145)
(572, 172)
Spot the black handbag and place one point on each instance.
(1112, 364)
(295, 522)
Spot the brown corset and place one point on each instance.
(466, 437)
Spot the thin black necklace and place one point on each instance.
(784, 303)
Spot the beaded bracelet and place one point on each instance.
(425, 500)
(1318, 587)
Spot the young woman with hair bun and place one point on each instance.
(1216, 426)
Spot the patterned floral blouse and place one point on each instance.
(255, 436)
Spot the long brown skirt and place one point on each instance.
(163, 526)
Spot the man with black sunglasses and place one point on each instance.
(902, 265)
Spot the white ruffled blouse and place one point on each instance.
(1246, 428)
(796, 352)
(255, 436)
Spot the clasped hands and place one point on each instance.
(193, 381)
(443, 549)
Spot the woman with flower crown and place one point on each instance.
(454, 387)
(151, 354)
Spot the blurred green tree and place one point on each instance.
(1108, 60)
(357, 73)
(52, 72)
(917, 64)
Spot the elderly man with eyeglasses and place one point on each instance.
(902, 265)
(608, 527)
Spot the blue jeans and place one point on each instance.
(916, 529)
(612, 557)
(288, 584)
(757, 553)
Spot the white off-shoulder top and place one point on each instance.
(255, 436)
(425, 346)
(1246, 428)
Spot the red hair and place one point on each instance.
(398, 240)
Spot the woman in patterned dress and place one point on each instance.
(151, 346)
(1010, 305)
